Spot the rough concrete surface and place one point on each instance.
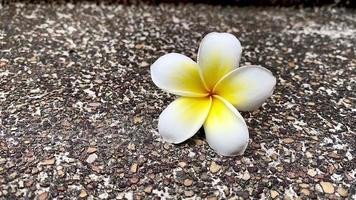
(302, 3)
(78, 109)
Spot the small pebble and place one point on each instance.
(134, 180)
(96, 168)
(29, 183)
(91, 149)
(134, 168)
(103, 195)
(188, 182)
(94, 104)
(182, 164)
(246, 176)
(43, 196)
(274, 194)
(12, 176)
(334, 155)
(214, 168)
(60, 173)
(342, 192)
(305, 191)
(83, 194)
(188, 193)
(91, 158)
(198, 141)
(308, 154)
(131, 146)
(137, 120)
(148, 189)
(327, 187)
(311, 172)
(288, 140)
(49, 162)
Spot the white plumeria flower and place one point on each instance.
(211, 90)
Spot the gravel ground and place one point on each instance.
(303, 3)
(78, 109)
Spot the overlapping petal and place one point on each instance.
(218, 54)
(225, 129)
(183, 118)
(178, 74)
(246, 87)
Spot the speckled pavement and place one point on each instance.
(78, 109)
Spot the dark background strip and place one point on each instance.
(303, 3)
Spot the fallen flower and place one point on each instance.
(211, 90)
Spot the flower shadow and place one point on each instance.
(199, 137)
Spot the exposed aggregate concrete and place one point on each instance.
(78, 109)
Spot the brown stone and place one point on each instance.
(91, 149)
(134, 180)
(199, 142)
(137, 120)
(96, 168)
(60, 172)
(274, 194)
(288, 140)
(148, 189)
(327, 187)
(83, 194)
(305, 191)
(49, 161)
(188, 182)
(291, 64)
(280, 168)
(94, 104)
(12, 176)
(188, 193)
(334, 155)
(2, 64)
(29, 183)
(308, 154)
(131, 146)
(342, 192)
(214, 168)
(182, 164)
(311, 172)
(140, 46)
(274, 156)
(43, 196)
(134, 168)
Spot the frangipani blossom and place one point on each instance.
(211, 91)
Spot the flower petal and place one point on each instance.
(225, 129)
(178, 74)
(246, 87)
(183, 118)
(219, 53)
